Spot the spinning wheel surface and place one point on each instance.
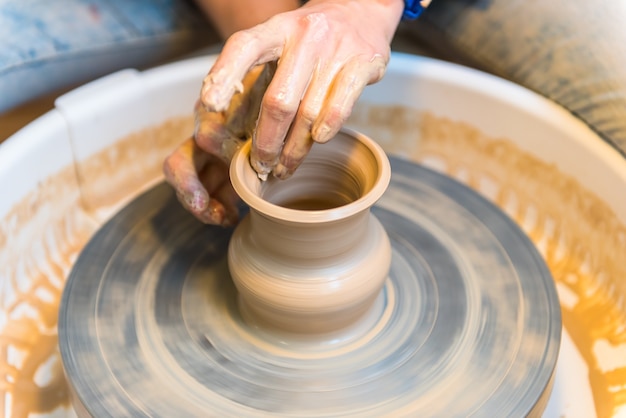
(468, 322)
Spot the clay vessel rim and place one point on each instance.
(240, 169)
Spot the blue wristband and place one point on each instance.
(412, 9)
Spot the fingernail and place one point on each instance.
(261, 167)
(195, 200)
(281, 172)
(322, 134)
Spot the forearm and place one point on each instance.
(230, 16)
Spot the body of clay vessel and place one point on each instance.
(310, 257)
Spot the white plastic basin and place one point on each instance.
(64, 174)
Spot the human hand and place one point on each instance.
(198, 169)
(327, 52)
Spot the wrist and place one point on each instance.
(389, 14)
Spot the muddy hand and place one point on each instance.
(198, 168)
(327, 52)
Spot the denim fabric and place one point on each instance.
(48, 45)
(571, 51)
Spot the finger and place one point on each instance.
(230, 200)
(346, 89)
(214, 176)
(210, 131)
(194, 175)
(181, 171)
(213, 214)
(279, 106)
(214, 136)
(243, 111)
(299, 141)
(242, 51)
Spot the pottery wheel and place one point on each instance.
(468, 325)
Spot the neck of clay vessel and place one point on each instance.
(323, 240)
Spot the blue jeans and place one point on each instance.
(51, 45)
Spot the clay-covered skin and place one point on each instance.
(313, 64)
(198, 168)
(327, 51)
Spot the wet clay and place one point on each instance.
(583, 245)
(40, 238)
(39, 241)
(580, 237)
(310, 257)
(115, 173)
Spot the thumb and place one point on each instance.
(243, 111)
